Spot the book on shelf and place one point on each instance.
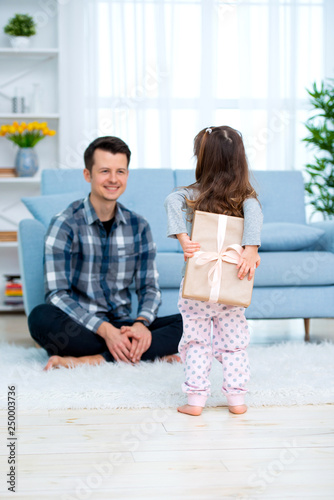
(8, 236)
(13, 290)
(7, 172)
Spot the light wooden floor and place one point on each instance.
(268, 453)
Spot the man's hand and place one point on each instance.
(189, 247)
(248, 262)
(143, 337)
(118, 344)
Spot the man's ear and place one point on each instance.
(87, 175)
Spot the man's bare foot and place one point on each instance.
(190, 410)
(71, 361)
(238, 410)
(172, 358)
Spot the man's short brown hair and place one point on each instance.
(108, 143)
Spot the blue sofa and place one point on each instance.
(296, 275)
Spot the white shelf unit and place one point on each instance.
(23, 68)
(11, 309)
(28, 52)
(28, 116)
(20, 180)
(8, 244)
(12, 211)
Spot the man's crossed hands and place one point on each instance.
(119, 344)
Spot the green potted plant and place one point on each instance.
(320, 173)
(20, 28)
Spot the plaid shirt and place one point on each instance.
(88, 274)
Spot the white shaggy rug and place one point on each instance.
(283, 374)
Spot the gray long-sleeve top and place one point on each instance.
(178, 212)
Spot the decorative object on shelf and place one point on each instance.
(18, 104)
(19, 29)
(13, 290)
(320, 183)
(8, 236)
(7, 172)
(26, 136)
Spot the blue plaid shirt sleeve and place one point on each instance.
(58, 274)
(146, 276)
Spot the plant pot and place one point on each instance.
(20, 42)
(26, 162)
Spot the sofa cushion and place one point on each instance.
(286, 237)
(43, 208)
(276, 269)
(297, 269)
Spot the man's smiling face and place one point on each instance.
(109, 175)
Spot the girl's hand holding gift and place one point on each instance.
(189, 247)
(248, 262)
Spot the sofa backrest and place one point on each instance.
(145, 194)
(281, 193)
(57, 181)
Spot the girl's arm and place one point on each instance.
(253, 219)
(175, 205)
(251, 240)
(189, 247)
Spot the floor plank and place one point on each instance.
(271, 483)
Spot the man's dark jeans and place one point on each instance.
(59, 334)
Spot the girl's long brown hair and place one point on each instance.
(222, 175)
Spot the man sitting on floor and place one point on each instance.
(93, 251)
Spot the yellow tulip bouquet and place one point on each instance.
(26, 135)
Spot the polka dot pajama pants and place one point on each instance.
(229, 341)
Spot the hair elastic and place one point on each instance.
(209, 130)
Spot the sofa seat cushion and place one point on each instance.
(276, 269)
(170, 266)
(287, 237)
(302, 268)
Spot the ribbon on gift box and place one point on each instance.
(230, 254)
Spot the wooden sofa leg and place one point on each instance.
(307, 329)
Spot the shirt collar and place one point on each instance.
(92, 217)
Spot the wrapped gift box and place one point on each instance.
(211, 275)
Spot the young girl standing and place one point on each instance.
(222, 186)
